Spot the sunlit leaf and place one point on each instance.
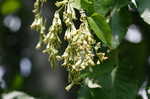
(101, 28)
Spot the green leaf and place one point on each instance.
(10, 6)
(102, 6)
(88, 5)
(123, 82)
(120, 3)
(84, 4)
(91, 6)
(144, 9)
(119, 89)
(102, 74)
(125, 79)
(101, 28)
(129, 73)
(99, 6)
(94, 93)
(119, 24)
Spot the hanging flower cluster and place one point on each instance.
(82, 51)
(39, 22)
(52, 39)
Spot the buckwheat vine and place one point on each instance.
(82, 51)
